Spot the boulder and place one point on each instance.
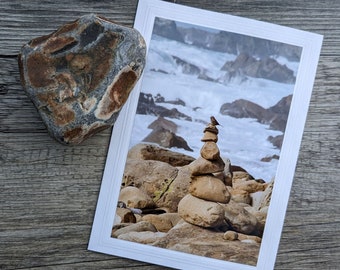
(240, 196)
(200, 212)
(276, 141)
(125, 216)
(147, 237)
(167, 139)
(163, 222)
(239, 219)
(161, 122)
(275, 116)
(147, 151)
(169, 198)
(267, 68)
(250, 186)
(135, 198)
(210, 188)
(264, 201)
(240, 176)
(135, 227)
(188, 238)
(81, 75)
(153, 177)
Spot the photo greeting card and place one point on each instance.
(202, 157)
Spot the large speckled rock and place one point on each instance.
(81, 75)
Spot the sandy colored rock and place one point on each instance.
(169, 197)
(163, 222)
(153, 152)
(210, 151)
(202, 166)
(240, 219)
(188, 238)
(249, 238)
(135, 227)
(266, 196)
(209, 188)
(136, 198)
(230, 236)
(239, 176)
(261, 216)
(250, 186)
(200, 212)
(151, 176)
(126, 216)
(240, 196)
(81, 75)
(147, 238)
(227, 172)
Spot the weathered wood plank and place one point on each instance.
(48, 191)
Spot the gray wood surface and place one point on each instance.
(48, 191)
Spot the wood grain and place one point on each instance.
(48, 191)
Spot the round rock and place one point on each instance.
(210, 151)
(209, 188)
(200, 212)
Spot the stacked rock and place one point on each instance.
(202, 206)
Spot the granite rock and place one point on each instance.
(81, 75)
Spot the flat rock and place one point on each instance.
(148, 151)
(142, 226)
(146, 237)
(188, 238)
(81, 75)
(209, 137)
(202, 166)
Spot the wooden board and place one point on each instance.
(48, 191)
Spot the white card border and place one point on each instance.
(100, 239)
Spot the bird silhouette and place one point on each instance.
(214, 121)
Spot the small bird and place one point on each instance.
(213, 121)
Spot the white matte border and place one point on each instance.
(100, 239)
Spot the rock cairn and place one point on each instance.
(203, 206)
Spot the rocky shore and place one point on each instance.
(204, 206)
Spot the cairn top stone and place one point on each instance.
(81, 75)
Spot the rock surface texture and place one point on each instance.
(81, 75)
